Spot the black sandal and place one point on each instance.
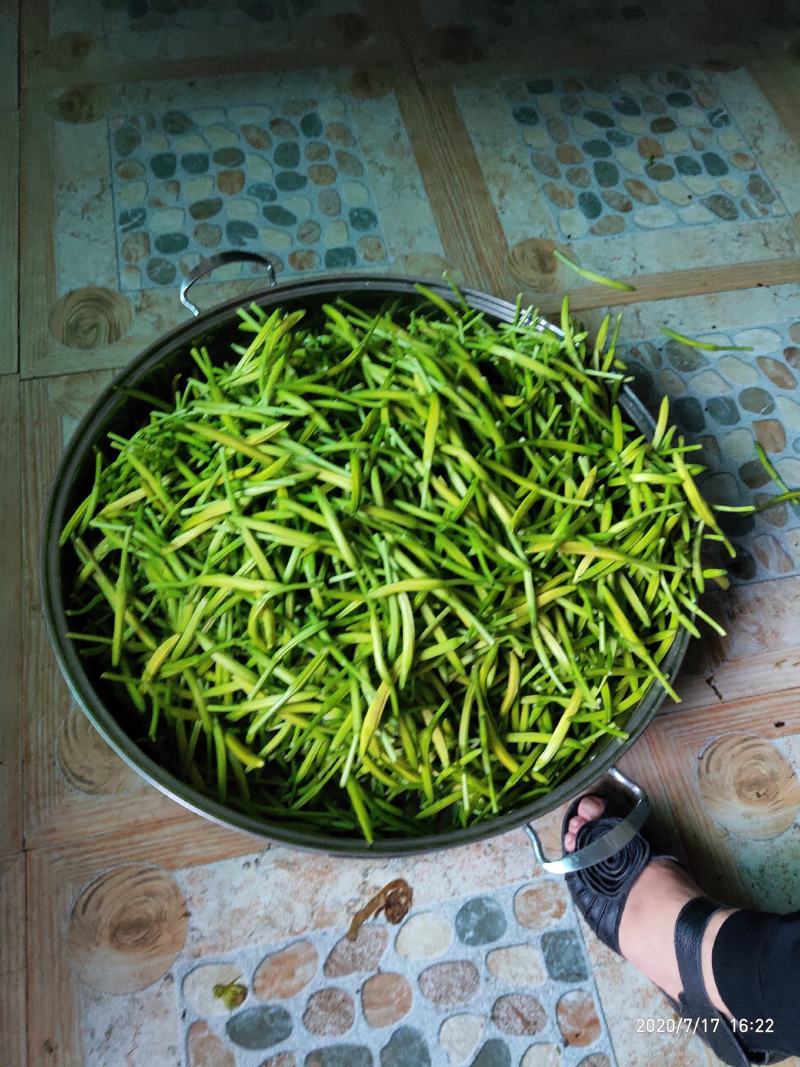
(610, 854)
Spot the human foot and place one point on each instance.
(647, 928)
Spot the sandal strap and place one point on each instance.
(689, 930)
(601, 891)
(694, 1000)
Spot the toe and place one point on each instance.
(591, 807)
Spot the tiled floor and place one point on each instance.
(337, 135)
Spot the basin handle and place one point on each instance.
(606, 846)
(205, 266)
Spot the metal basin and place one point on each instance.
(153, 371)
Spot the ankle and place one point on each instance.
(647, 930)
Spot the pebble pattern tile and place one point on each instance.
(508, 12)
(637, 152)
(500, 15)
(727, 402)
(155, 14)
(141, 26)
(485, 981)
(287, 180)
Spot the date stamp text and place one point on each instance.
(679, 1025)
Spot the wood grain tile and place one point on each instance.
(62, 799)
(640, 765)
(759, 655)
(470, 230)
(759, 674)
(12, 959)
(9, 234)
(36, 281)
(676, 744)
(10, 630)
(778, 78)
(668, 285)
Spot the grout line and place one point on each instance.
(592, 978)
(18, 222)
(30, 993)
(18, 559)
(114, 208)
